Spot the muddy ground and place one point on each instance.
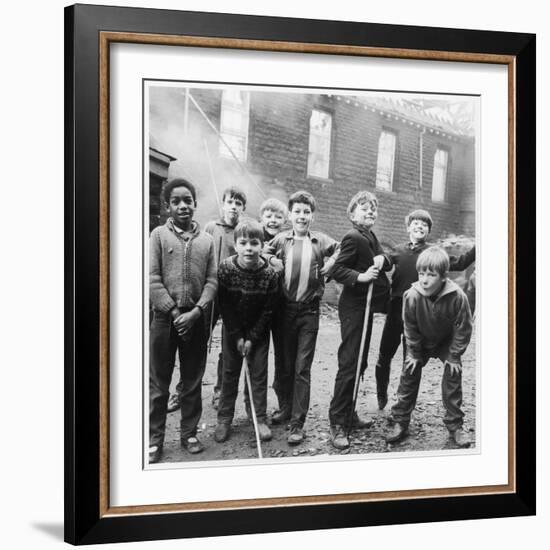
(427, 431)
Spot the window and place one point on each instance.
(386, 160)
(320, 128)
(439, 184)
(234, 123)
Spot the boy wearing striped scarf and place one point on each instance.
(302, 254)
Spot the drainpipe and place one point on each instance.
(421, 155)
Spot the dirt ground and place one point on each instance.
(427, 431)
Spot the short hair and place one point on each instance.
(178, 182)
(433, 259)
(249, 229)
(422, 215)
(234, 192)
(302, 197)
(361, 198)
(274, 204)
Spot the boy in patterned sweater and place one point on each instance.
(302, 254)
(247, 293)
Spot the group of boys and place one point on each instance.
(261, 278)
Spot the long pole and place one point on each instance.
(240, 164)
(213, 180)
(252, 408)
(360, 358)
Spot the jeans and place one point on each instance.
(392, 335)
(257, 367)
(351, 330)
(164, 341)
(300, 328)
(451, 393)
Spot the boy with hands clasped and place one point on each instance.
(182, 284)
(247, 293)
(437, 323)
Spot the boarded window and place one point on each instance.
(234, 123)
(439, 184)
(386, 160)
(320, 128)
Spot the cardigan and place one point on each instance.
(182, 269)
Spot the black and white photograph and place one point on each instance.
(309, 273)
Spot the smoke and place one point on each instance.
(198, 151)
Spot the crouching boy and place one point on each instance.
(437, 323)
(247, 292)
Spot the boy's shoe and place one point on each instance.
(461, 438)
(193, 445)
(173, 403)
(296, 435)
(382, 400)
(360, 424)
(216, 399)
(264, 432)
(338, 437)
(155, 452)
(281, 416)
(222, 432)
(398, 433)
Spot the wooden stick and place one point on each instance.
(360, 357)
(252, 408)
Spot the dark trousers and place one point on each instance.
(232, 365)
(451, 393)
(392, 336)
(210, 318)
(164, 341)
(300, 325)
(278, 352)
(351, 330)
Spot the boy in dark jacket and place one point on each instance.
(182, 285)
(437, 323)
(358, 265)
(247, 292)
(404, 257)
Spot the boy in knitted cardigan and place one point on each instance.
(437, 324)
(182, 284)
(247, 292)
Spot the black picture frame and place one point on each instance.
(87, 518)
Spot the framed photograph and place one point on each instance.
(298, 274)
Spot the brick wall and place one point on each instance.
(278, 140)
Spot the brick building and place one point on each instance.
(330, 145)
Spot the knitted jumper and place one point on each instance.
(247, 298)
(182, 268)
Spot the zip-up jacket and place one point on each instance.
(437, 326)
(182, 269)
(404, 259)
